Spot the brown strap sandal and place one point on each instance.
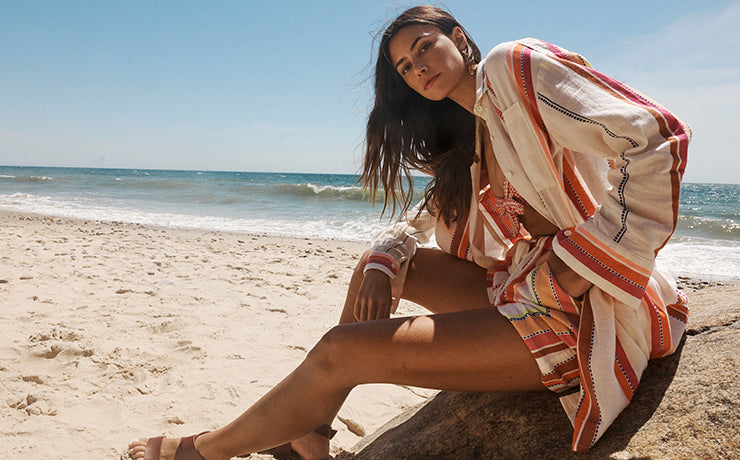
(185, 451)
(286, 452)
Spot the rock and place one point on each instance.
(41, 408)
(17, 402)
(175, 420)
(687, 406)
(352, 425)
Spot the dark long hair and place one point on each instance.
(407, 132)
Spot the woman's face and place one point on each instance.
(429, 61)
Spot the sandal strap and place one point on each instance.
(286, 452)
(153, 448)
(186, 450)
(325, 431)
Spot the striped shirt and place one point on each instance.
(604, 164)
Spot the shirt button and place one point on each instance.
(567, 233)
(509, 174)
(478, 109)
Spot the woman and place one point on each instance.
(554, 188)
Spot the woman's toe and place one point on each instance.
(136, 448)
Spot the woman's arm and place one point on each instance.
(586, 112)
(396, 244)
(391, 248)
(572, 283)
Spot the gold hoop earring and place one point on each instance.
(468, 55)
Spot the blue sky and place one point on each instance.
(285, 86)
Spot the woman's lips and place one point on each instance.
(431, 81)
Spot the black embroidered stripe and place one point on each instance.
(625, 175)
(583, 119)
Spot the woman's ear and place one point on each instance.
(459, 38)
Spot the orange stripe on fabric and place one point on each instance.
(462, 249)
(676, 177)
(575, 188)
(586, 421)
(490, 88)
(384, 260)
(559, 346)
(521, 71)
(565, 301)
(577, 57)
(612, 254)
(510, 295)
(541, 339)
(659, 324)
(624, 372)
(562, 374)
(679, 310)
(599, 262)
(522, 66)
(509, 233)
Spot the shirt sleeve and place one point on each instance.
(397, 243)
(586, 111)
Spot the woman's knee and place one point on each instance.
(354, 285)
(359, 272)
(363, 260)
(332, 355)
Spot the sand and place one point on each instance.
(112, 331)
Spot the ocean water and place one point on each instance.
(329, 206)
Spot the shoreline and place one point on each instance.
(687, 280)
(4, 213)
(118, 330)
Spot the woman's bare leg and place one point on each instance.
(442, 283)
(435, 280)
(470, 350)
(475, 350)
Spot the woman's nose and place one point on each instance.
(420, 66)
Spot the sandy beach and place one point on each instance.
(113, 331)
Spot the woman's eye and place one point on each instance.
(405, 69)
(424, 47)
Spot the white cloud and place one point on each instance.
(703, 43)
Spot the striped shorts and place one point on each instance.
(544, 315)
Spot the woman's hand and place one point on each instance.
(571, 282)
(373, 299)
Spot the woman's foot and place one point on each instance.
(161, 448)
(313, 446)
